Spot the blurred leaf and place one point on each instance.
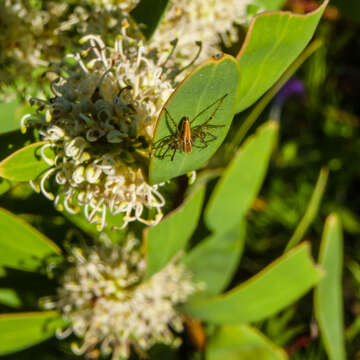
(148, 14)
(328, 298)
(20, 331)
(172, 234)
(211, 81)
(10, 298)
(270, 5)
(235, 342)
(266, 54)
(241, 181)
(7, 111)
(21, 246)
(5, 185)
(277, 286)
(311, 210)
(214, 260)
(26, 163)
(12, 141)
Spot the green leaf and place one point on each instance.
(20, 331)
(214, 260)
(148, 14)
(311, 210)
(25, 164)
(277, 286)
(241, 181)
(274, 40)
(172, 234)
(270, 5)
(328, 298)
(234, 342)
(206, 86)
(7, 111)
(21, 246)
(10, 298)
(12, 141)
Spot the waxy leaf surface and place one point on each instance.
(274, 40)
(172, 234)
(211, 81)
(25, 164)
(235, 342)
(328, 298)
(20, 331)
(277, 286)
(21, 246)
(241, 181)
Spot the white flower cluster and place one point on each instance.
(111, 308)
(201, 20)
(100, 123)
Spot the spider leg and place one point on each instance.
(177, 132)
(220, 100)
(173, 154)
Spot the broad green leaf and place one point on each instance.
(25, 164)
(277, 286)
(214, 260)
(20, 331)
(274, 40)
(241, 181)
(172, 234)
(21, 246)
(10, 298)
(200, 93)
(148, 14)
(311, 210)
(328, 298)
(235, 342)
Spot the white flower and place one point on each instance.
(100, 124)
(112, 308)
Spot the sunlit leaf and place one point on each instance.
(204, 89)
(20, 331)
(235, 342)
(214, 260)
(273, 42)
(241, 181)
(328, 298)
(311, 210)
(26, 163)
(21, 246)
(166, 239)
(277, 286)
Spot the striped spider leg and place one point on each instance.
(183, 135)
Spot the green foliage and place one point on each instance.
(204, 87)
(144, 9)
(19, 331)
(165, 240)
(233, 342)
(26, 163)
(276, 287)
(328, 298)
(241, 181)
(214, 260)
(29, 253)
(265, 54)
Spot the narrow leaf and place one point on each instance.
(274, 40)
(328, 298)
(231, 342)
(241, 181)
(165, 240)
(20, 331)
(25, 164)
(21, 246)
(311, 210)
(214, 260)
(277, 286)
(210, 90)
(148, 14)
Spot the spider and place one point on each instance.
(184, 136)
